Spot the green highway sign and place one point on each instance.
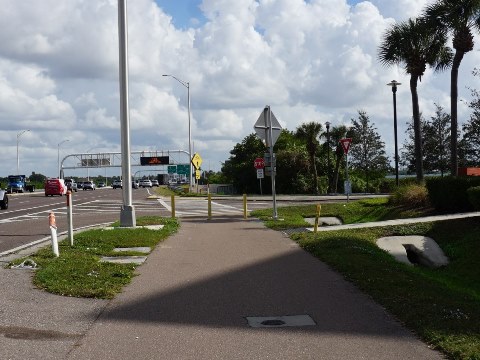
(183, 169)
(172, 169)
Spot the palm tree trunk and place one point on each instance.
(338, 159)
(417, 129)
(315, 176)
(457, 59)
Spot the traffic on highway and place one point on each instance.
(26, 218)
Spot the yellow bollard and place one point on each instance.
(209, 206)
(173, 206)
(244, 206)
(317, 215)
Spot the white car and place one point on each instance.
(145, 183)
(88, 185)
(117, 184)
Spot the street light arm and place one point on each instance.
(184, 83)
(21, 133)
(60, 143)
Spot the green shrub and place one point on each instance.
(449, 194)
(473, 195)
(386, 186)
(413, 196)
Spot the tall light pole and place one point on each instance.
(58, 157)
(187, 85)
(327, 124)
(127, 211)
(18, 158)
(394, 85)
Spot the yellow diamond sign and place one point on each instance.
(196, 161)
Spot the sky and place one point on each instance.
(310, 60)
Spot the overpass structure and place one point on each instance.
(114, 160)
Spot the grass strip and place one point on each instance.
(77, 271)
(361, 211)
(441, 305)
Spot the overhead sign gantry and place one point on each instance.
(114, 159)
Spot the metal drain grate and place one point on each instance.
(291, 231)
(280, 321)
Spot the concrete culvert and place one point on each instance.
(414, 250)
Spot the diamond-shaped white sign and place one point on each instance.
(262, 129)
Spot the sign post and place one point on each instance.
(268, 129)
(346, 142)
(259, 164)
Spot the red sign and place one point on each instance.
(259, 163)
(346, 144)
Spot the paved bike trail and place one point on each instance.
(193, 297)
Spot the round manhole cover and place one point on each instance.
(273, 322)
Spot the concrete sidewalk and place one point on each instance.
(194, 294)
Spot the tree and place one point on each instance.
(238, 169)
(469, 146)
(39, 178)
(415, 45)
(337, 133)
(290, 154)
(436, 135)
(367, 151)
(310, 133)
(407, 152)
(293, 176)
(459, 18)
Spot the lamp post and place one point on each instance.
(327, 124)
(18, 158)
(187, 85)
(127, 211)
(58, 157)
(394, 85)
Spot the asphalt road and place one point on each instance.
(26, 219)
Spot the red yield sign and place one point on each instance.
(346, 144)
(259, 163)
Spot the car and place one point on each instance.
(71, 185)
(155, 183)
(80, 185)
(117, 184)
(3, 200)
(135, 184)
(145, 183)
(55, 187)
(101, 184)
(88, 185)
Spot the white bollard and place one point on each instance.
(69, 216)
(53, 232)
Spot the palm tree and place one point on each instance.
(458, 17)
(337, 133)
(415, 45)
(310, 133)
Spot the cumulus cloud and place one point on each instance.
(312, 60)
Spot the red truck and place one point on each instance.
(55, 187)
